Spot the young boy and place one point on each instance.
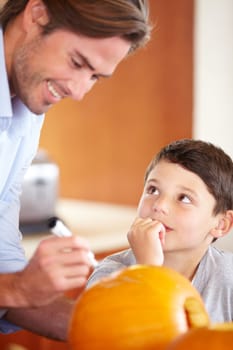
(186, 204)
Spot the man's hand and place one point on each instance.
(59, 264)
(146, 238)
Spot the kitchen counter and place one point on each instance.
(104, 225)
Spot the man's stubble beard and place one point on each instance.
(25, 77)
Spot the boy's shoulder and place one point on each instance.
(218, 256)
(214, 281)
(216, 266)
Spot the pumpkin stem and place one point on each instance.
(196, 314)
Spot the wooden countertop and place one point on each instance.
(104, 225)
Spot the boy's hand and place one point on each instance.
(146, 238)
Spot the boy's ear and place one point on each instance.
(35, 12)
(225, 223)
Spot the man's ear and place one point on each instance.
(35, 13)
(224, 225)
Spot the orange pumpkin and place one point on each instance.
(215, 337)
(137, 308)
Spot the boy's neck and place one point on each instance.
(184, 262)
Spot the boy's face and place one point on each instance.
(46, 69)
(180, 200)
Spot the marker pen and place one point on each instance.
(58, 228)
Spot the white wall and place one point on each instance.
(213, 77)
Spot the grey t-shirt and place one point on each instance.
(213, 279)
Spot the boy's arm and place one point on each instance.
(111, 264)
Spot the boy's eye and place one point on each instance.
(184, 198)
(152, 190)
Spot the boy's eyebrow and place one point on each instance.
(90, 66)
(181, 187)
(187, 189)
(151, 180)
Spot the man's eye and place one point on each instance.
(76, 64)
(184, 198)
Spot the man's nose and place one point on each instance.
(79, 86)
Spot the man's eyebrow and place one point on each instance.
(89, 65)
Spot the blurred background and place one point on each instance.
(180, 85)
(104, 143)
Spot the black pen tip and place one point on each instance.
(52, 221)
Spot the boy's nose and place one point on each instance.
(161, 205)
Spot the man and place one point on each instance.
(49, 50)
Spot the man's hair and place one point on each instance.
(207, 161)
(128, 19)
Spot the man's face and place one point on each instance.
(46, 69)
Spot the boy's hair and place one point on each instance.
(127, 19)
(207, 161)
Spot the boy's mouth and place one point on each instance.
(168, 229)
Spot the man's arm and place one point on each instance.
(58, 265)
(50, 321)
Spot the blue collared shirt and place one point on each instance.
(19, 137)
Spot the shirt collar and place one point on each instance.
(5, 97)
